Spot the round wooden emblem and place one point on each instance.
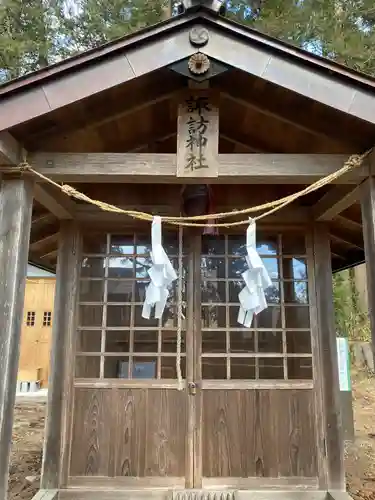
(198, 36)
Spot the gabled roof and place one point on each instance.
(167, 42)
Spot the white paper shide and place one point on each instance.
(252, 297)
(161, 274)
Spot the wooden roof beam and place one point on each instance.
(137, 167)
(60, 205)
(335, 201)
(11, 151)
(47, 241)
(344, 240)
(350, 224)
(282, 113)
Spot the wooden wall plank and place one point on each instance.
(93, 426)
(259, 433)
(130, 432)
(165, 433)
(16, 199)
(61, 368)
(333, 446)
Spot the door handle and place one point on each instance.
(192, 388)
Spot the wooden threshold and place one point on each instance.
(195, 494)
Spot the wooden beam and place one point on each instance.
(332, 446)
(11, 151)
(16, 201)
(233, 168)
(37, 245)
(42, 220)
(56, 202)
(344, 240)
(368, 221)
(90, 213)
(350, 224)
(335, 201)
(62, 362)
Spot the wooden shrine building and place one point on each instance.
(258, 414)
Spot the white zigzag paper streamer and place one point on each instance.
(252, 297)
(161, 273)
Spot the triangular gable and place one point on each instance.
(168, 42)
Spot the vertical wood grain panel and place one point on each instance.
(293, 417)
(224, 433)
(165, 433)
(264, 433)
(130, 432)
(92, 432)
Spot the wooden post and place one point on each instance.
(368, 227)
(61, 363)
(333, 444)
(16, 200)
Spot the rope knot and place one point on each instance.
(69, 190)
(23, 166)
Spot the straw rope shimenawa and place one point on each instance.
(352, 162)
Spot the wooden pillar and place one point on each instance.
(62, 363)
(327, 369)
(16, 200)
(368, 227)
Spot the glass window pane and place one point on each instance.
(295, 292)
(298, 342)
(297, 317)
(93, 267)
(169, 318)
(294, 269)
(213, 245)
(213, 316)
(122, 245)
(212, 268)
(87, 367)
(120, 267)
(237, 245)
(300, 368)
(116, 367)
(236, 266)
(271, 368)
(142, 266)
(270, 342)
(293, 243)
(95, 243)
(89, 340)
(267, 244)
(234, 289)
(117, 341)
(272, 265)
(144, 368)
(146, 341)
(213, 292)
(168, 367)
(242, 341)
(140, 290)
(143, 245)
(270, 318)
(272, 293)
(169, 341)
(90, 315)
(118, 316)
(242, 368)
(120, 291)
(214, 342)
(91, 291)
(214, 368)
